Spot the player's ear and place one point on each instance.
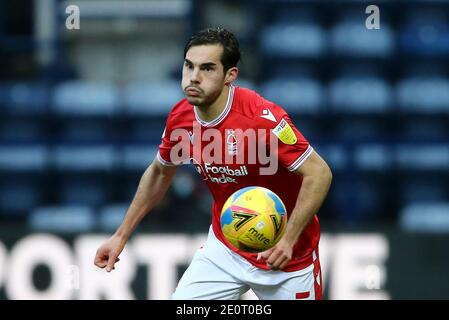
(231, 75)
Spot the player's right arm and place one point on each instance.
(152, 187)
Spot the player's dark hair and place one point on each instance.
(230, 44)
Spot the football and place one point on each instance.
(253, 219)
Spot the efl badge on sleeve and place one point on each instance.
(285, 133)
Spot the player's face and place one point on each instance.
(203, 78)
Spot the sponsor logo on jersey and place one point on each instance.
(220, 174)
(285, 133)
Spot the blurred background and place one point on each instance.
(83, 106)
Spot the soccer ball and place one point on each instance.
(253, 219)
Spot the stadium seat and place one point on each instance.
(373, 157)
(152, 98)
(92, 190)
(78, 98)
(360, 95)
(293, 40)
(435, 100)
(24, 98)
(84, 158)
(111, 216)
(296, 96)
(138, 157)
(18, 195)
(424, 157)
(23, 158)
(351, 38)
(62, 219)
(425, 34)
(431, 217)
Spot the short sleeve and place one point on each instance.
(292, 147)
(173, 149)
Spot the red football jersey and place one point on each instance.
(252, 142)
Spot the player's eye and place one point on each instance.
(188, 65)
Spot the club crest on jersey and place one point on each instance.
(285, 133)
(231, 142)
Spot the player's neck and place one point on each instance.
(211, 112)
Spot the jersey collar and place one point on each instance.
(222, 115)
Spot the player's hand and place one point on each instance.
(278, 256)
(107, 254)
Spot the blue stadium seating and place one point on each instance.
(85, 98)
(62, 219)
(24, 158)
(425, 34)
(431, 217)
(84, 158)
(360, 130)
(373, 103)
(25, 98)
(423, 188)
(111, 216)
(85, 189)
(293, 40)
(21, 183)
(373, 157)
(146, 130)
(356, 201)
(296, 96)
(423, 157)
(336, 155)
(18, 195)
(152, 98)
(424, 95)
(433, 128)
(360, 95)
(86, 130)
(138, 157)
(351, 38)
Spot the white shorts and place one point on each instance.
(216, 272)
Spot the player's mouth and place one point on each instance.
(190, 91)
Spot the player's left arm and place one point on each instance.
(317, 177)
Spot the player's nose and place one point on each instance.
(195, 76)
